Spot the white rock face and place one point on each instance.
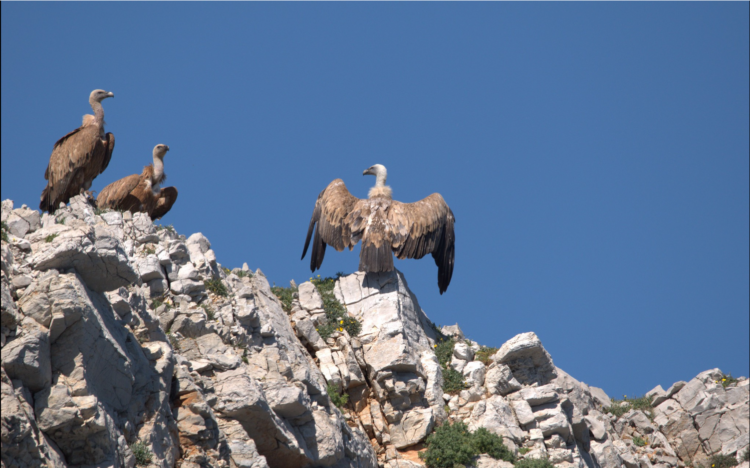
(235, 380)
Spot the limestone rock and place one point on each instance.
(527, 359)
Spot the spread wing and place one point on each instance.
(167, 197)
(331, 209)
(68, 164)
(423, 227)
(116, 195)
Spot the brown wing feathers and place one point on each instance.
(164, 203)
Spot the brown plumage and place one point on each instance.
(78, 157)
(409, 230)
(141, 192)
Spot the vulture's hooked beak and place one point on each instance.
(367, 172)
(110, 94)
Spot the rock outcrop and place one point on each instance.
(125, 343)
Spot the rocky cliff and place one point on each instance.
(126, 343)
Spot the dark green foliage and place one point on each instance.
(722, 461)
(243, 274)
(639, 442)
(338, 399)
(727, 380)
(746, 455)
(444, 351)
(226, 271)
(285, 295)
(337, 319)
(533, 463)
(620, 407)
(485, 441)
(524, 450)
(216, 286)
(453, 444)
(149, 250)
(453, 381)
(142, 453)
(4, 230)
(169, 227)
(483, 355)
(50, 238)
(449, 445)
(209, 312)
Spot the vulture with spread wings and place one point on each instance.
(141, 192)
(78, 157)
(410, 230)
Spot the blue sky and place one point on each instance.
(595, 154)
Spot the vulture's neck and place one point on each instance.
(158, 170)
(98, 113)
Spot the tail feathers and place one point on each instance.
(375, 259)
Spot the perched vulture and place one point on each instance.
(410, 230)
(141, 192)
(78, 157)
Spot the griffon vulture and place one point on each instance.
(141, 192)
(78, 157)
(410, 230)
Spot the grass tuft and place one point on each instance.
(534, 463)
(142, 454)
(639, 441)
(484, 354)
(727, 380)
(285, 295)
(158, 302)
(337, 319)
(50, 238)
(453, 381)
(216, 286)
(620, 407)
(722, 461)
(210, 315)
(4, 230)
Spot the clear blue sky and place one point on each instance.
(595, 154)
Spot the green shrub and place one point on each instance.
(285, 295)
(216, 286)
(4, 230)
(453, 381)
(483, 355)
(722, 461)
(50, 238)
(337, 319)
(620, 407)
(453, 444)
(533, 463)
(746, 455)
(448, 446)
(444, 351)
(485, 441)
(169, 227)
(173, 341)
(524, 450)
(142, 453)
(243, 274)
(727, 379)
(338, 399)
(639, 441)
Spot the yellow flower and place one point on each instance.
(341, 321)
(434, 346)
(724, 379)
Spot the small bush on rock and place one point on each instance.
(534, 463)
(722, 461)
(453, 381)
(620, 407)
(216, 286)
(50, 238)
(142, 453)
(483, 355)
(4, 230)
(337, 319)
(492, 444)
(727, 380)
(453, 444)
(639, 441)
(285, 295)
(338, 399)
(210, 315)
(746, 455)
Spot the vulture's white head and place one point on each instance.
(98, 95)
(381, 174)
(160, 151)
